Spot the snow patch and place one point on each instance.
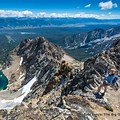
(105, 39)
(21, 60)
(83, 43)
(25, 90)
(10, 104)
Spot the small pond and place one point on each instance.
(3, 81)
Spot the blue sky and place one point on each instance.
(101, 8)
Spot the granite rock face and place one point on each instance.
(39, 56)
(41, 59)
(96, 67)
(68, 100)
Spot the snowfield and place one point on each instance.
(11, 103)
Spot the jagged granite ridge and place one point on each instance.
(70, 101)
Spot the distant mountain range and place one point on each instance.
(53, 22)
(80, 46)
(75, 35)
(92, 42)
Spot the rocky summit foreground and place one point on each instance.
(36, 90)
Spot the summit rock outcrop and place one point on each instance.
(72, 97)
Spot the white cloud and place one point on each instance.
(87, 6)
(62, 15)
(12, 13)
(42, 14)
(27, 13)
(107, 5)
(85, 15)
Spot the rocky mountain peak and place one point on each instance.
(39, 46)
(40, 58)
(54, 95)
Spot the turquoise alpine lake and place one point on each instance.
(3, 81)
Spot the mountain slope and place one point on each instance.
(38, 63)
(30, 68)
(7, 44)
(97, 66)
(15, 22)
(92, 76)
(92, 42)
